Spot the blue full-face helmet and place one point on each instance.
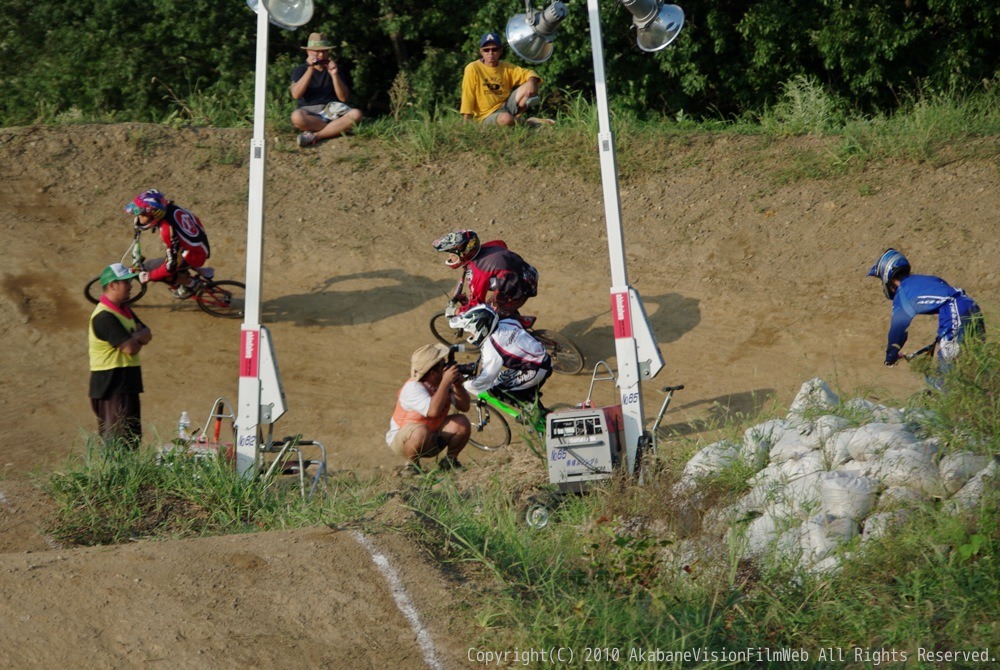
(892, 265)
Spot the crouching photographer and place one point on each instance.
(422, 425)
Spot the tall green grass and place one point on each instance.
(111, 495)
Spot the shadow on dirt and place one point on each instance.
(362, 297)
(670, 316)
(722, 410)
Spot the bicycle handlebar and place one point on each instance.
(929, 349)
(670, 389)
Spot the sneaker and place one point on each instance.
(532, 102)
(307, 139)
(410, 470)
(448, 463)
(182, 292)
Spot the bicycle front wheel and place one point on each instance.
(93, 290)
(566, 356)
(490, 430)
(445, 334)
(223, 298)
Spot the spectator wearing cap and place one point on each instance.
(421, 426)
(494, 92)
(322, 92)
(115, 337)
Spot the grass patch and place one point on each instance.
(108, 496)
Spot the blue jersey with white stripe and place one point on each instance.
(926, 294)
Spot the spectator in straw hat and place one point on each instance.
(322, 92)
(421, 426)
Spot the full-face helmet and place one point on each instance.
(151, 203)
(479, 322)
(891, 266)
(460, 245)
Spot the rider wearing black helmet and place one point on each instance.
(494, 274)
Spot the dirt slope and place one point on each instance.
(753, 283)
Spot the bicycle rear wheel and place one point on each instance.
(445, 334)
(490, 430)
(223, 298)
(93, 290)
(566, 356)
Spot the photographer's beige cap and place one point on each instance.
(426, 357)
(318, 42)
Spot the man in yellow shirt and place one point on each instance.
(115, 337)
(494, 92)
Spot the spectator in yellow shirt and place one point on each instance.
(494, 92)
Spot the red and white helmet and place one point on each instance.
(460, 245)
(151, 203)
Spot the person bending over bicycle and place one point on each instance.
(493, 274)
(512, 365)
(958, 314)
(421, 425)
(182, 234)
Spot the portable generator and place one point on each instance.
(583, 445)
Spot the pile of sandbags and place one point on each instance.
(819, 480)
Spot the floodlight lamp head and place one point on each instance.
(530, 35)
(657, 25)
(286, 14)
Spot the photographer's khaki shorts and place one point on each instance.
(398, 444)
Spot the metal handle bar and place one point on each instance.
(920, 352)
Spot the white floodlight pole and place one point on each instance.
(621, 303)
(249, 403)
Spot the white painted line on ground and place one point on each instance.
(402, 598)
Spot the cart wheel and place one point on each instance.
(537, 516)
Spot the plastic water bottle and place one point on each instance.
(182, 426)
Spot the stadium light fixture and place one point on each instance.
(530, 34)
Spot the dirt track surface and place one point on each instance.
(752, 283)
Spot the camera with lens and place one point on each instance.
(467, 370)
(322, 62)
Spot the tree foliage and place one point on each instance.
(145, 60)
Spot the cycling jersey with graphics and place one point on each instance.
(185, 239)
(926, 294)
(510, 360)
(497, 268)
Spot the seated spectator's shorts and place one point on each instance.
(324, 111)
(510, 106)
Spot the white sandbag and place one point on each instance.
(909, 467)
(835, 448)
(874, 413)
(847, 496)
(859, 468)
(759, 536)
(802, 494)
(827, 566)
(711, 460)
(813, 394)
(822, 534)
(900, 497)
(791, 444)
(828, 425)
(771, 473)
(758, 440)
(874, 438)
(803, 464)
(970, 496)
(879, 523)
(958, 468)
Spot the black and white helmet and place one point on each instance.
(479, 322)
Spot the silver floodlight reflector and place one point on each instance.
(657, 25)
(530, 34)
(286, 14)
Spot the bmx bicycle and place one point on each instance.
(566, 357)
(223, 298)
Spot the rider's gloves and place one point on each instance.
(170, 261)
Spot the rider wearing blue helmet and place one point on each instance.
(958, 314)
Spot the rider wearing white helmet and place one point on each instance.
(958, 314)
(512, 363)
